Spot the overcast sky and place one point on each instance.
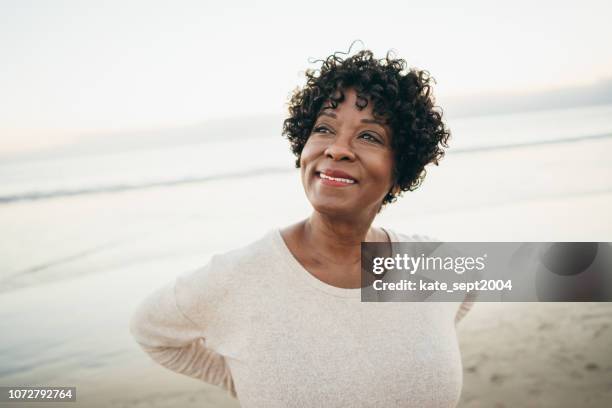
(73, 66)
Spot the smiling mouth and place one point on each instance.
(335, 181)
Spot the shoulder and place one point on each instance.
(254, 255)
(231, 267)
(468, 302)
(414, 237)
(217, 291)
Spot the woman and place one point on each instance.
(279, 323)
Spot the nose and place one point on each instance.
(339, 149)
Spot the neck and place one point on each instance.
(337, 237)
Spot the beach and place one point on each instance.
(75, 267)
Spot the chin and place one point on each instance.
(337, 208)
(332, 207)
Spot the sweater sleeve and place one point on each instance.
(172, 339)
(465, 306)
(469, 299)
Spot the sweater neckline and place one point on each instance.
(302, 273)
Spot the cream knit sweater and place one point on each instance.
(256, 323)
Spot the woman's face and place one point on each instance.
(347, 161)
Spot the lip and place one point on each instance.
(336, 174)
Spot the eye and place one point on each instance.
(370, 137)
(321, 129)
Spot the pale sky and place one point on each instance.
(73, 66)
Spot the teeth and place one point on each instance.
(343, 180)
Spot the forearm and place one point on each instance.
(174, 341)
(196, 361)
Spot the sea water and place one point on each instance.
(149, 163)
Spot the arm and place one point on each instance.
(464, 307)
(468, 301)
(172, 339)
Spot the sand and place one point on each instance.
(537, 355)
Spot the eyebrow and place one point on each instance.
(333, 115)
(376, 122)
(324, 112)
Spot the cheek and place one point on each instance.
(310, 151)
(305, 160)
(384, 172)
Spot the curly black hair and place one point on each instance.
(402, 99)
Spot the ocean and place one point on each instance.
(154, 163)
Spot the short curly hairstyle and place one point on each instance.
(402, 99)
